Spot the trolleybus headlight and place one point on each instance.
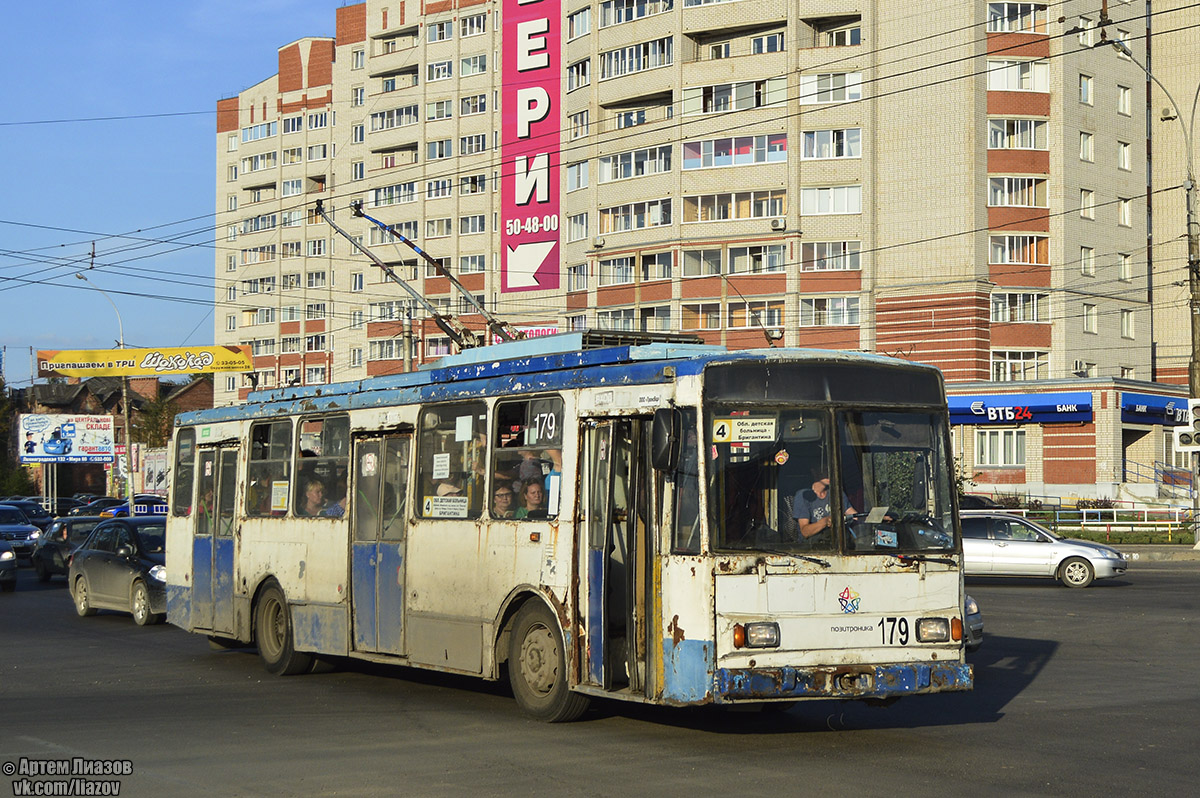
(933, 630)
(762, 634)
(159, 573)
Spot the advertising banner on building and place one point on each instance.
(154, 470)
(1147, 408)
(163, 362)
(529, 145)
(1021, 408)
(65, 439)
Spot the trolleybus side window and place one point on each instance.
(322, 465)
(269, 474)
(185, 458)
(452, 451)
(687, 488)
(527, 456)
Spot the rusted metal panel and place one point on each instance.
(851, 681)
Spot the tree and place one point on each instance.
(14, 480)
(155, 422)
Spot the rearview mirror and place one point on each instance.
(664, 439)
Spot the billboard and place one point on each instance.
(65, 438)
(529, 155)
(161, 362)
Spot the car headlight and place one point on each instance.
(933, 630)
(761, 634)
(7, 555)
(35, 534)
(972, 607)
(159, 573)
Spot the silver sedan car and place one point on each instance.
(1003, 544)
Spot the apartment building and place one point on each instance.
(958, 182)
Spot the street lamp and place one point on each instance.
(124, 398)
(1193, 238)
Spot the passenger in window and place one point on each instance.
(204, 518)
(502, 502)
(533, 495)
(530, 467)
(554, 456)
(337, 507)
(313, 502)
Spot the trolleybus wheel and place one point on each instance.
(1077, 572)
(273, 634)
(537, 667)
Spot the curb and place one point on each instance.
(1160, 553)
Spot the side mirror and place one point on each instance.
(125, 551)
(665, 437)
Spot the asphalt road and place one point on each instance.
(1090, 692)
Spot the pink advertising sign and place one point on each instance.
(529, 136)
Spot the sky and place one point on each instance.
(140, 186)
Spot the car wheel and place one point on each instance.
(42, 574)
(537, 667)
(139, 606)
(83, 605)
(273, 634)
(1076, 572)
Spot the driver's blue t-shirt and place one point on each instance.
(806, 504)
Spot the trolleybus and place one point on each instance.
(590, 517)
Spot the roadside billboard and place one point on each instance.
(161, 362)
(53, 438)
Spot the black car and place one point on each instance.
(122, 567)
(61, 506)
(977, 501)
(54, 548)
(17, 531)
(95, 506)
(34, 511)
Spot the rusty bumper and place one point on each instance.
(847, 681)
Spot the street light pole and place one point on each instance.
(1193, 245)
(124, 398)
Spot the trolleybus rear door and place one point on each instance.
(212, 545)
(377, 548)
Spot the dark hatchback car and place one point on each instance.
(96, 505)
(34, 511)
(54, 548)
(17, 531)
(121, 566)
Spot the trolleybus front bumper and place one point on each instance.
(847, 681)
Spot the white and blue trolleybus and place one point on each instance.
(591, 515)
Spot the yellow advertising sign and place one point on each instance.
(165, 362)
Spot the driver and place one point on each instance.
(810, 507)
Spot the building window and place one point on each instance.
(636, 58)
(1018, 76)
(358, 96)
(1017, 134)
(356, 358)
(472, 184)
(1016, 366)
(1124, 156)
(579, 75)
(291, 282)
(440, 109)
(318, 120)
(770, 43)
(1087, 203)
(1087, 261)
(637, 163)
(616, 271)
(230, 323)
(475, 104)
(474, 25)
(740, 205)
(318, 152)
(577, 227)
(577, 176)
(657, 266)
(1089, 318)
(616, 12)
(472, 264)
(622, 319)
(577, 275)
(831, 200)
(358, 170)
(701, 262)
(1130, 373)
(314, 310)
(474, 65)
(1127, 330)
(442, 148)
(757, 259)
(579, 23)
(357, 134)
(315, 279)
(293, 124)
(472, 224)
(437, 189)
(1086, 152)
(1085, 89)
(439, 70)
(579, 125)
(828, 311)
(1086, 32)
(1024, 249)
(823, 256)
(635, 216)
(358, 59)
(440, 31)
(702, 316)
(1019, 192)
(830, 87)
(820, 144)
(999, 447)
(472, 145)
(395, 117)
(294, 187)
(439, 228)
(231, 384)
(1020, 308)
(314, 343)
(757, 313)
(1124, 267)
(314, 375)
(1124, 101)
(656, 319)
(1016, 18)
(1124, 212)
(739, 151)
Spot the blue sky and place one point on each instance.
(127, 184)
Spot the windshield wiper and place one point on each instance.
(797, 555)
(910, 558)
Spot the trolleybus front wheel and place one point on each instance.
(537, 667)
(273, 634)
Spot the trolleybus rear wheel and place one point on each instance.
(537, 667)
(273, 634)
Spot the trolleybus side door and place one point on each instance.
(377, 557)
(212, 544)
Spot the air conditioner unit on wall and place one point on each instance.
(598, 241)
(1078, 366)
(779, 224)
